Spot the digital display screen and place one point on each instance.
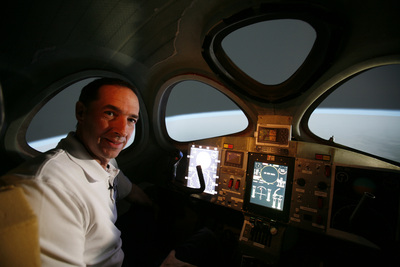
(234, 158)
(269, 185)
(208, 158)
(267, 134)
(270, 134)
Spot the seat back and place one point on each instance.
(1, 109)
(19, 237)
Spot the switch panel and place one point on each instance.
(232, 179)
(311, 194)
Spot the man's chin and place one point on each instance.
(110, 153)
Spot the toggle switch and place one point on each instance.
(230, 184)
(237, 185)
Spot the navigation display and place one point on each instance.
(269, 185)
(209, 159)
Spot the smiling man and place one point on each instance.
(73, 188)
(106, 123)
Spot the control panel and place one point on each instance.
(232, 179)
(278, 184)
(262, 237)
(311, 194)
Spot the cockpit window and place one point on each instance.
(196, 110)
(363, 113)
(270, 51)
(56, 119)
(272, 58)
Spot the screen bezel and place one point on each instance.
(270, 213)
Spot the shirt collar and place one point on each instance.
(78, 154)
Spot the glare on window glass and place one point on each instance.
(56, 119)
(270, 51)
(363, 113)
(196, 110)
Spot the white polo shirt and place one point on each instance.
(70, 193)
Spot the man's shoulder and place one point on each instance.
(44, 166)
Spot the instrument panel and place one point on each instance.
(295, 185)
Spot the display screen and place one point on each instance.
(273, 135)
(208, 158)
(234, 158)
(267, 134)
(269, 185)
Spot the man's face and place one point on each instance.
(106, 124)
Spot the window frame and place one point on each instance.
(159, 112)
(19, 144)
(329, 29)
(301, 130)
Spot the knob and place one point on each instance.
(301, 181)
(273, 230)
(322, 186)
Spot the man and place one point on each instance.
(73, 188)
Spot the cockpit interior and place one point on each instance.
(273, 123)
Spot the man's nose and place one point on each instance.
(120, 126)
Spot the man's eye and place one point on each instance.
(132, 121)
(109, 113)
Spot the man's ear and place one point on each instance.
(80, 109)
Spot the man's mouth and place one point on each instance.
(115, 143)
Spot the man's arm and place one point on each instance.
(131, 192)
(138, 196)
